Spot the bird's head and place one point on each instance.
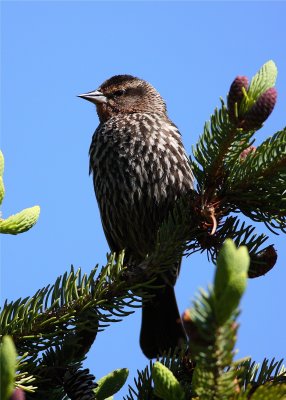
(125, 94)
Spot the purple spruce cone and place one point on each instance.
(18, 394)
(260, 111)
(235, 95)
(246, 152)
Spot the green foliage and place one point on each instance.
(230, 279)
(1, 164)
(232, 176)
(219, 136)
(270, 392)
(77, 306)
(11, 366)
(166, 386)
(20, 222)
(176, 362)
(110, 384)
(69, 301)
(264, 79)
(253, 188)
(8, 363)
(213, 317)
(252, 375)
(207, 370)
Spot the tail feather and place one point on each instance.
(161, 327)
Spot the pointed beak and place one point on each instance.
(95, 97)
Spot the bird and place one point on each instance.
(140, 170)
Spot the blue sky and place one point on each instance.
(190, 51)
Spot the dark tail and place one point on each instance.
(161, 327)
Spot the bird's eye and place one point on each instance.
(119, 92)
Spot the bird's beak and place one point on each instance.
(95, 97)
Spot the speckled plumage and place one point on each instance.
(140, 168)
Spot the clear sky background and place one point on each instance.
(191, 52)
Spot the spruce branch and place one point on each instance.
(212, 325)
(206, 369)
(253, 189)
(13, 380)
(233, 176)
(60, 306)
(57, 326)
(177, 362)
(269, 157)
(253, 375)
(257, 381)
(267, 392)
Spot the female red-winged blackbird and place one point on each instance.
(140, 168)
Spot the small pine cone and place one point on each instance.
(260, 111)
(235, 95)
(245, 152)
(262, 262)
(79, 384)
(18, 394)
